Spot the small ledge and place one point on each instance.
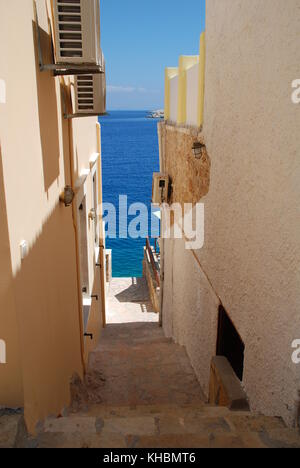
(185, 129)
(225, 389)
(81, 179)
(93, 159)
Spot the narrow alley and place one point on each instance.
(141, 391)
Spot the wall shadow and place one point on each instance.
(45, 290)
(137, 293)
(47, 108)
(11, 391)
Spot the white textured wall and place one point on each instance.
(174, 99)
(251, 255)
(190, 308)
(192, 94)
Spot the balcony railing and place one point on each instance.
(154, 262)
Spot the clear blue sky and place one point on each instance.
(139, 39)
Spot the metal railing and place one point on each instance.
(152, 261)
(156, 244)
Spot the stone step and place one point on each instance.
(167, 421)
(12, 427)
(283, 438)
(280, 439)
(158, 426)
(128, 411)
(143, 426)
(110, 345)
(206, 429)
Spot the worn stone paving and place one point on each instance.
(141, 367)
(147, 396)
(12, 427)
(140, 391)
(129, 302)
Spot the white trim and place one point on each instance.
(2, 352)
(23, 249)
(94, 159)
(87, 301)
(2, 92)
(84, 172)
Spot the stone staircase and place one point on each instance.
(165, 426)
(141, 392)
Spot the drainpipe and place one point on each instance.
(162, 278)
(71, 162)
(101, 228)
(160, 131)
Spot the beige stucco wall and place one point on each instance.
(251, 256)
(11, 388)
(85, 144)
(39, 314)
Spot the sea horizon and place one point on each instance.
(130, 155)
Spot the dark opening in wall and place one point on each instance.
(230, 344)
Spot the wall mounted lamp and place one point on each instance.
(89, 335)
(198, 149)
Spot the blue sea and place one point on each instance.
(130, 155)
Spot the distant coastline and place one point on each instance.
(156, 114)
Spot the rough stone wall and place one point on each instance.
(190, 176)
(250, 260)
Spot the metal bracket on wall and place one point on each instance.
(75, 116)
(89, 335)
(68, 69)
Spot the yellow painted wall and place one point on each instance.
(201, 96)
(185, 63)
(40, 312)
(169, 74)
